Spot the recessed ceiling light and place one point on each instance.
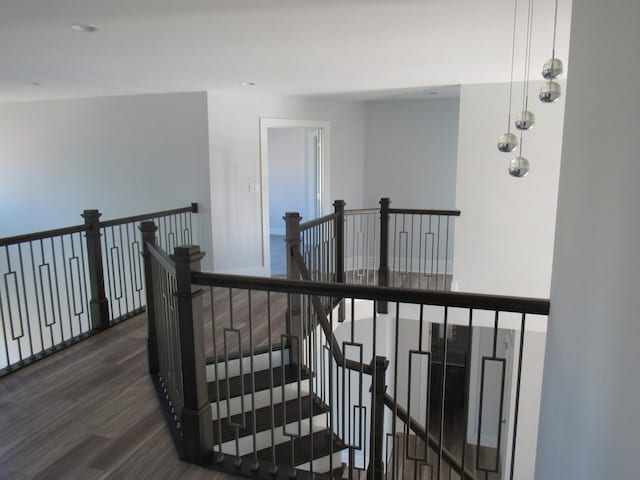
(84, 27)
(247, 84)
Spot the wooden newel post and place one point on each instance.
(196, 419)
(292, 239)
(376, 468)
(383, 271)
(148, 229)
(338, 206)
(99, 305)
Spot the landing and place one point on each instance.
(89, 412)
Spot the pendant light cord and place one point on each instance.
(555, 27)
(513, 56)
(527, 62)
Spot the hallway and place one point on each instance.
(89, 412)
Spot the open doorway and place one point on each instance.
(293, 163)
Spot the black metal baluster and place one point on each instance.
(123, 276)
(42, 292)
(26, 303)
(517, 405)
(35, 283)
(444, 390)
(220, 456)
(395, 389)
(438, 272)
(14, 337)
(237, 426)
(446, 258)
(131, 276)
(66, 285)
(310, 372)
(332, 402)
(255, 465)
(467, 368)
(83, 284)
(4, 328)
(54, 283)
(274, 465)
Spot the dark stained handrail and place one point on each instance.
(417, 211)
(478, 301)
(149, 216)
(318, 221)
(162, 258)
(361, 211)
(29, 237)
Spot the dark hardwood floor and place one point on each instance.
(89, 412)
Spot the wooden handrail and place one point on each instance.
(29, 237)
(418, 211)
(148, 216)
(477, 301)
(318, 221)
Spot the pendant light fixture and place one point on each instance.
(525, 120)
(508, 142)
(550, 91)
(519, 166)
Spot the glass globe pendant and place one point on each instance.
(519, 167)
(552, 68)
(550, 92)
(525, 120)
(507, 142)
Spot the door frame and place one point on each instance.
(265, 124)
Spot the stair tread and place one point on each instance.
(263, 418)
(262, 382)
(302, 449)
(211, 360)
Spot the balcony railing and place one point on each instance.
(60, 286)
(310, 377)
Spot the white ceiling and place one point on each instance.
(357, 48)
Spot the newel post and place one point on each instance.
(196, 419)
(99, 305)
(148, 229)
(293, 241)
(338, 206)
(375, 471)
(383, 271)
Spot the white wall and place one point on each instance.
(291, 176)
(504, 237)
(234, 122)
(123, 155)
(589, 422)
(410, 151)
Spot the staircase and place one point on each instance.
(271, 417)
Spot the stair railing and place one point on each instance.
(379, 398)
(343, 360)
(175, 343)
(60, 286)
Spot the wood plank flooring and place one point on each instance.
(89, 412)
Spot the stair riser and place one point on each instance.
(323, 464)
(263, 439)
(263, 399)
(260, 362)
